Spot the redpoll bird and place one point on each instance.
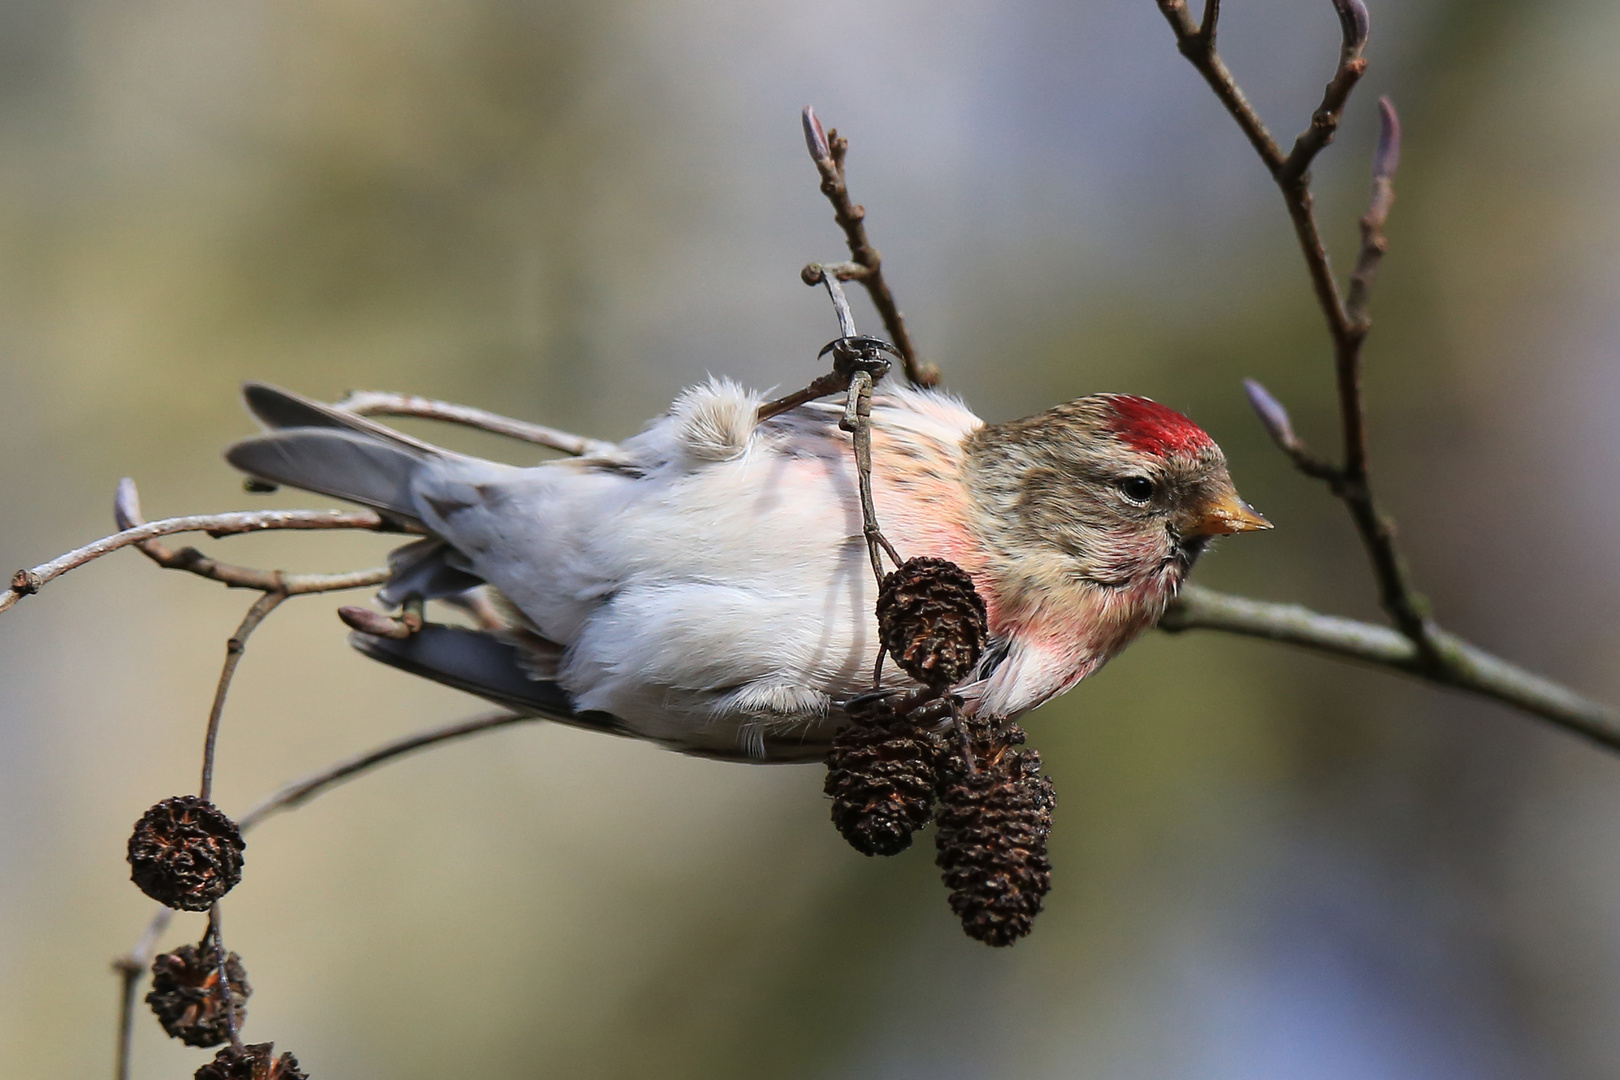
(705, 584)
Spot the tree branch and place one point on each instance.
(293, 795)
(127, 513)
(234, 648)
(30, 581)
(1347, 326)
(379, 403)
(1463, 666)
(828, 150)
(1417, 645)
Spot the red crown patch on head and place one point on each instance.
(1150, 427)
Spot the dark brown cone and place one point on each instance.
(880, 775)
(932, 621)
(185, 854)
(185, 994)
(993, 825)
(253, 1062)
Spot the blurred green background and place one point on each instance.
(1267, 865)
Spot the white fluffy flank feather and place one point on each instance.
(714, 421)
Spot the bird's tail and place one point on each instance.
(318, 448)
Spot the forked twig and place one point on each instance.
(29, 581)
(827, 150)
(127, 512)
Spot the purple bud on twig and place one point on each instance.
(1354, 23)
(1388, 157)
(815, 139)
(1272, 415)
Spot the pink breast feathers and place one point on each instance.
(1152, 428)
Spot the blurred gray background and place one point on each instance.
(1267, 865)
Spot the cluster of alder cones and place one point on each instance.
(186, 854)
(909, 759)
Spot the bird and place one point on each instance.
(704, 585)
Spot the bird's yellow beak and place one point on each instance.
(1226, 514)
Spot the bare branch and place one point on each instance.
(299, 792)
(1349, 480)
(131, 967)
(1462, 666)
(127, 512)
(827, 150)
(216, 930)
(1416, 645)
(381, 403)
(234, 648)
(1355, 26)
(1197, 44)
(27, 582)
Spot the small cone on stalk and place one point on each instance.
(185, 854)
(254, 1062)
(932, 621)
(993, 821)
(881, 778)
(186, 995)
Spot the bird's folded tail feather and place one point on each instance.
(322, 449)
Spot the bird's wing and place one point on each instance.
(707, 579)
(482, 663)
(713, 577)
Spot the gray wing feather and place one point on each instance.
(278, 409)
(482, 664)
(471, 660)
(346, 464)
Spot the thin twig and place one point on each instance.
(131, 967)
(1197, 44)
(217, 932)
(1463, 666)
(1354, 28)
(301, 791)
(234, 647)
(127, 512)
(30, 581)
(833, 381)
(382, 403)
(827, 150)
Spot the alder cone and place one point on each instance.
(185, 854)
(932, 621)
(186, 995)
(993, 825)
(254, 1062)
(880, 775)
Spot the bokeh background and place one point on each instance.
(1267, 864)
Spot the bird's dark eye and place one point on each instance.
(1138, 489)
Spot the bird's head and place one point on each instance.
(1112, 491)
